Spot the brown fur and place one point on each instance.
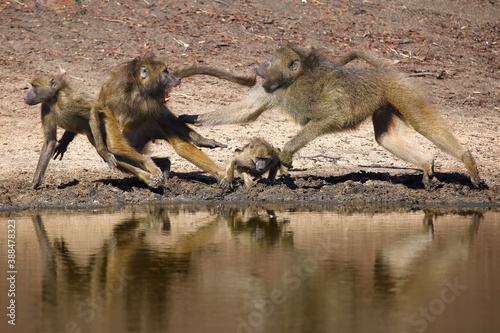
(326, 97)
(136, 93)
(77, 112)
(187, 71)
(253, 160)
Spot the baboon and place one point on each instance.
(136, 92)
(77, 112)
(326, 97)
(253, 160)
(181, 72)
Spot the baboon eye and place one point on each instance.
(293, 65)
(53, 83)
(144, 72)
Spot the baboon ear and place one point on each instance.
(294, 64)
(53, 83)
(132, 67)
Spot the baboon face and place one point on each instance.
(153, 78)
(281, 70)
(261, 154)
(42, 89)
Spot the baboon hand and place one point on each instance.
(60, 150)
(225, 184)
(213, 144)
(204, 142)
(189, 119)
(286, 161)
(111, 160)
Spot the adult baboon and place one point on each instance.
(326, 97)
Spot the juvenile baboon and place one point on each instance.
(326, 97)
(75, 111)
(253, 160)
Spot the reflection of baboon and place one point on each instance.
(75, 111)
(325, 97)
(255, 159)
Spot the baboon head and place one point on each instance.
(282, 69)
(44, 88)
(261, 153)
(152, 78)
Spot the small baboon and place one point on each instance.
(77, 112)
(327, 97)
(253, 160)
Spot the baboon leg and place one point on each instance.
(145, 176)
(118, 145)
(45, 157)
(197, 157)
(98, 142)
(164, 164)
(427, 122)
(49, 145)
(390, 128)
(62, 144)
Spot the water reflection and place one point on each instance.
(234, 269)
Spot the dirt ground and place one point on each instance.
(450, 48)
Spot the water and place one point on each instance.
(222, 269)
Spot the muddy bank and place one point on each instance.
(357, 190)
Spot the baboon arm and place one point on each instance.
(169, 124)
(272, 173)
(98, 140)
(247, 110)
(49, 144)
(309, 132)
(63, 143)
(229, 176)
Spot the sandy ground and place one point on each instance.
(450, 49)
